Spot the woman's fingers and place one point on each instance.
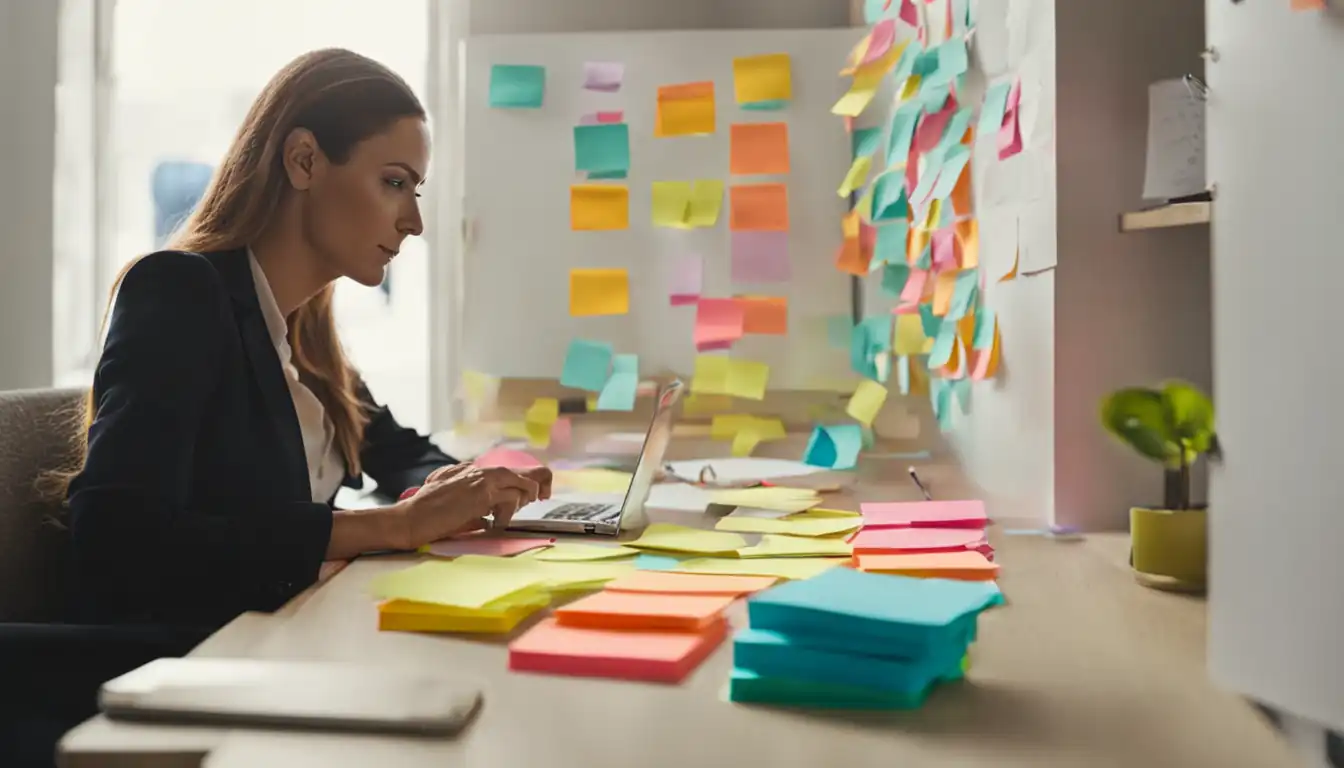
(501, 478)
(473, 525)
(504, 504)
(542, 477)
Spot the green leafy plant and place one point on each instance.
(1173, 426)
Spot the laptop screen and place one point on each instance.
(651, 457)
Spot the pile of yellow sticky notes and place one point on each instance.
(775, 498)
(723, 552)
(476, 593)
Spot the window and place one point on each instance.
(178, 80)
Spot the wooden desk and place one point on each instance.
(1082, 668)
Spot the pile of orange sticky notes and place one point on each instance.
(929, 539)
(653, 626)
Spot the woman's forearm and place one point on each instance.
(357, 531)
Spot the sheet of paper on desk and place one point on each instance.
(665, 537)
(744, 470)
(484, 545)
(1176, 145)
(680, 497)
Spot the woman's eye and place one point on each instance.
(396, 183)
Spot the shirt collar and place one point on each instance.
(270, 310)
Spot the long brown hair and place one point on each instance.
(343, 98)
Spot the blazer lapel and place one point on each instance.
(233, 266)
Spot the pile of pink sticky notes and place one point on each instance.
(930, 539)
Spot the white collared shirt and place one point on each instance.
(326, 466)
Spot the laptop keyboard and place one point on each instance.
(589, 512)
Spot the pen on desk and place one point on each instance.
(915, 478)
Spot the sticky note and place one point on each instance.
(834, 447)
(689, 583)
(779, 545)
(963, 566)
(855, 176)
(909, 336)
(747, 379)
(670, 204)
(517, 86)
(601, 117)
(605, 76)
(865, 142)
(954, 164)
(767, 497)
(718, 323)
(965, 291)
(706, 202)
(685, 110)
(889, 198)
(569, 551)
(595, 292)
(664, 657)
(498, 617)
(924, 514)
(644, 610)
(602, 148)
(992, 109)
(877, 540)
(507, 458)
(622, 386)
(777, 567)
(760, 257)
(794, 525)
(759, 207)
(594, 480)
(587, 365)
(758, 148)
(685, 279)
(484, 545)
(451, 583)
(762, 79)
(867, 402)
(648, 562)
(599, 207)
(764, 315)
(666, 537)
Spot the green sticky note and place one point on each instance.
(602, 148)
(866, 141)
(925, 258)
(894, 278)
(943, 344)
(984, 328)
(931, 323)
(889, 200)
(933, 165)
(618, 394)
(991, 113)
(964, 293)
(586, 365)
(926, 63)
(903, 374)
(961, 393)
(941, 396)
(517, 86)
(765, 106)
(934, 92)
(606, 175)
(903, 122)
(953, 60)
(956, 128)
(890, 245)
(834, 447)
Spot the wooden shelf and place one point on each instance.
(1175, 215)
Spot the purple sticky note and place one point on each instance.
(686, 279)
(605, 76)
(760, 257)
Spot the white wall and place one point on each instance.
(27, 152)
(514, 17)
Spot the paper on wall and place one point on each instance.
(1175, 166)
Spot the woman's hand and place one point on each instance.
(539, 475)
(459, 501)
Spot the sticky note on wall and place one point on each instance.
(718, 323)
(763, 79)
(765, 315)
(685, 110)
(760, 257)
(603, 148)
(759, 207)
(759, 148)
(587, 365)
(599, 207)
(517, 86)
(598, 292)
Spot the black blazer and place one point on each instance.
(194, 504)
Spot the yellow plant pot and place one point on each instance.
(1170, 548)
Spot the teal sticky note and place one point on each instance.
(602, 148)
(955, 130)
(902, 131)
(889, 200)
(656, 563)
(587, 365)
(934, 93)
(607, 175)
(894, 278)
(748, 687)
(941, 392)
(953, 60)
(943, 344)
(926, 63)
(777, 655)
(876, 10)
(961, 393)
(964, 293)
(839, 329)
(834, 447)
(929, 321)
(905, 65)
(618, 394)
(625, 364)
(773, 105)
(889, 247)
(992, 109)
(933, 165)
(517, 86)
(925, 258)
(866, 141)
(984, 328)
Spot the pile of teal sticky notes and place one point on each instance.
(855, 640)
(834, 447)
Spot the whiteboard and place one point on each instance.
(519, 165)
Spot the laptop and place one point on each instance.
(607, 514)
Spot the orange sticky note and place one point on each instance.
(1012, 273)
(664, 657)
(961, 193)
(718, 323)
(1308, 5)
(968, 236)
(598, 292)
(915, 242)
(759, 208)
(967, 565)
(644, 610)
(944, 283)
(671, 583)
(599, 207)
(758, 148)
(685, 110)
(765, 315)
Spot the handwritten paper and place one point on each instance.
(685, 110)
(586, 365)
(718, 323)
(834, 447)
(759, 207)
(1176, 144)
(605, 76)
(517, 86)
(764, 79)
(599, 207)
(867, 402)
(760, 257)
(594, 292)
(666, 537)
(620, 389)
(758, 148)
(602, 148)
(685, 279)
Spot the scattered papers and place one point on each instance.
(644, 611)
(834, 447)
(783, 499)
(759, 208)
(791, 526)
(605, 76)
(758, 148)
(484, 545)
(598, 292)
(781, 545)
(743, 470)
(679, 497)
(595, 207)
(568, 551)
(763, 81)
(777, 567)
(666, 537)
(685, 110)
(689, 583)
(587, 365)
(633, 655)
(760, 257)
(517, 86)
(925, 514)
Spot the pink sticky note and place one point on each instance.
(718, 322)
(880, 40)
(760, 257)
(906, 309)
(945, 249)
(924, 514)
(1014, 97)
(909, 13)
(1010, 137)
(486, 545)
(561, 433)
(879, 540)
(603, 76)
(595, 118)
(914, 286)
(507, 458)
(686, 279)
(931, 127)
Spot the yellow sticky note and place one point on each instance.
(700, 403)
(944, 285)
(665, 537)
(857, 175)
(745, 441)
(762, 78)
(779, 567)
(685, 110)
(544, 410)
(575, 576)
(747, 379)
(779, 545)
(598, 292)
(599, 207)
(909, 336)
(909, 89)
(792, 526)
(725, 426)
(592, 480)
(777, 499)
(705, 204)
(479, 388)
(824, 512)
(567, 551)
(671, 204)
(450, 583)
(867, 78)
(711, 375)
(867, 402)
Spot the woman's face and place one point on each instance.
(361, 211)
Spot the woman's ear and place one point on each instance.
(302, 158)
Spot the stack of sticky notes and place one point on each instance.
(851, 640)
(923, 528)
(646, 625)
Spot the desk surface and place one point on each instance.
(1082, 667)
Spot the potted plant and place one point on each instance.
(1174, 426)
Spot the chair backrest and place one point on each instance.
(35, 437)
